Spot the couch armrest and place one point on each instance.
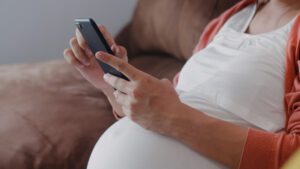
(50, 117)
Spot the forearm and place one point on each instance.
(214, 138)
(111, 98)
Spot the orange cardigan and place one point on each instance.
(264, 150)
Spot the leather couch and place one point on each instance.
(50, 117)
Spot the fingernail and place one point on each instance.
(98, 55)
(101, 56)
(106, 76)
(112, 47)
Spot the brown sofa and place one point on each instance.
(50, 117)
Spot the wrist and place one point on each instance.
(176, 120)
(184, 122)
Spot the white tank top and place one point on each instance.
(239, 77)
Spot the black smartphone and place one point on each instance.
(97, 42)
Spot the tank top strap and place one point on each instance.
(241, 20)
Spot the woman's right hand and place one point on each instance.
(81, 57)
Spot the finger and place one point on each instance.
(120, 52)
(120, 65)
(122, 98)
(79, 53)
(114, 49)
(81, 41)
(71, 59)
(88, 53)
(110, 40)
(118, 83)
(83, 44)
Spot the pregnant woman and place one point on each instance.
(235, 104)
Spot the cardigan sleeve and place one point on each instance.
(270, 151)
(264, 150)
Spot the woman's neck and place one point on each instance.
(281, 4)
(273, 14)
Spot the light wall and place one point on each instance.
(39, 30)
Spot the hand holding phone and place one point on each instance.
(82, 58)
(97, 42)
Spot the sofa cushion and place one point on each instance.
(160, 66)
(50, 117)
(172, 26)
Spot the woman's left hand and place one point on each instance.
(148, 101)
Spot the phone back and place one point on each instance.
(96, 42)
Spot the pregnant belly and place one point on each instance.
(125, 145)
